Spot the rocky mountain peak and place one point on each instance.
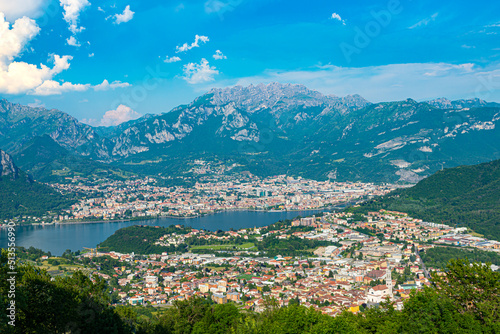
(279, 95)
(444, 103)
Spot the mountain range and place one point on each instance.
(265, 129)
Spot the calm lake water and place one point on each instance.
(58, 238)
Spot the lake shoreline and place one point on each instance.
(57, 238)
(147, 218)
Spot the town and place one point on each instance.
(356, 261)
(108, 199)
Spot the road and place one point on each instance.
(426, 273)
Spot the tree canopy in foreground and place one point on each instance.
(466, 299)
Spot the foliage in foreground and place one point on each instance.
(465, 300)
(438, 257)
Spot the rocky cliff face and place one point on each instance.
(20, 124)
(7, 167)
(237, 113)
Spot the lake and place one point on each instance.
(58, 238)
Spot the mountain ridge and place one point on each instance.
(275, 129)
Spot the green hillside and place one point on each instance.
(23, 196)
(139, 239)
(47, 161)
(463, 196)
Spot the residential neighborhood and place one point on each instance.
(371, 259)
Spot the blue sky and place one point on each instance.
(124, 58)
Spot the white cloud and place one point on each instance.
(36, 104)
(219, 55)
(72, 10)
(420, 81)
(424, 22)
(115, 117)
(172, 59)
(51, 87)
(14, 10)
(72, 41)
(221, 6)
(17, 77)
(21, 77)
(105, 85)
(126, 16)
(185, 47)
(465, 46)
(12, 41)
(101, 10)
(91, 55)
(337, 17)
(198, 73)
(494, 25)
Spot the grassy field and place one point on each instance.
(216, 267)
(54, 270)
(245, 246)
(245, 276)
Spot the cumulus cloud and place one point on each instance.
(16, 9)
(218, 55)
(186, 47)
(21, 77)
(337, 17)
(198, 73)
(71, 14)
(51, 87)
(126, 16)
(18, 77)
(13, 40)
(72, 41)
(115, 117)
(172, 59)
(105, 85)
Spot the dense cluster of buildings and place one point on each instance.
(145, 198)
(375, 258)
(398, 226)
